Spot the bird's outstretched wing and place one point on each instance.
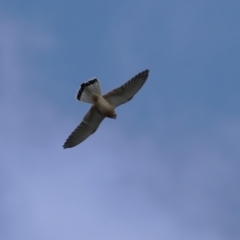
(88, 126)
(126, 92)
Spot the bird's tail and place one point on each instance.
(88, 91)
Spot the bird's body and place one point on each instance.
(102, 105)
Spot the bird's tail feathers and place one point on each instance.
(88, 90)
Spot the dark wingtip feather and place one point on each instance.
(145, 72)
(142, 74)
(65, 145)
(83, 85)
(68, 143)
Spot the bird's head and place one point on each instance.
(111, 114)
(114, 115)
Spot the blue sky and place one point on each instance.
(167, 168)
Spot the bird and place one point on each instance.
(102, 105)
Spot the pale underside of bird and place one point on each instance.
(102, 105)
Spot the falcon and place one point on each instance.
(102, 105)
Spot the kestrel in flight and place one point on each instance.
(102, 106)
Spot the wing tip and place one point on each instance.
(65, 145)
(69, 143)
(145, 72)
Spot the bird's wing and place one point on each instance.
(126, 92)
(88, 126)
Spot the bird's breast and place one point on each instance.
(103, 106)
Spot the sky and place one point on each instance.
(167, 167)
